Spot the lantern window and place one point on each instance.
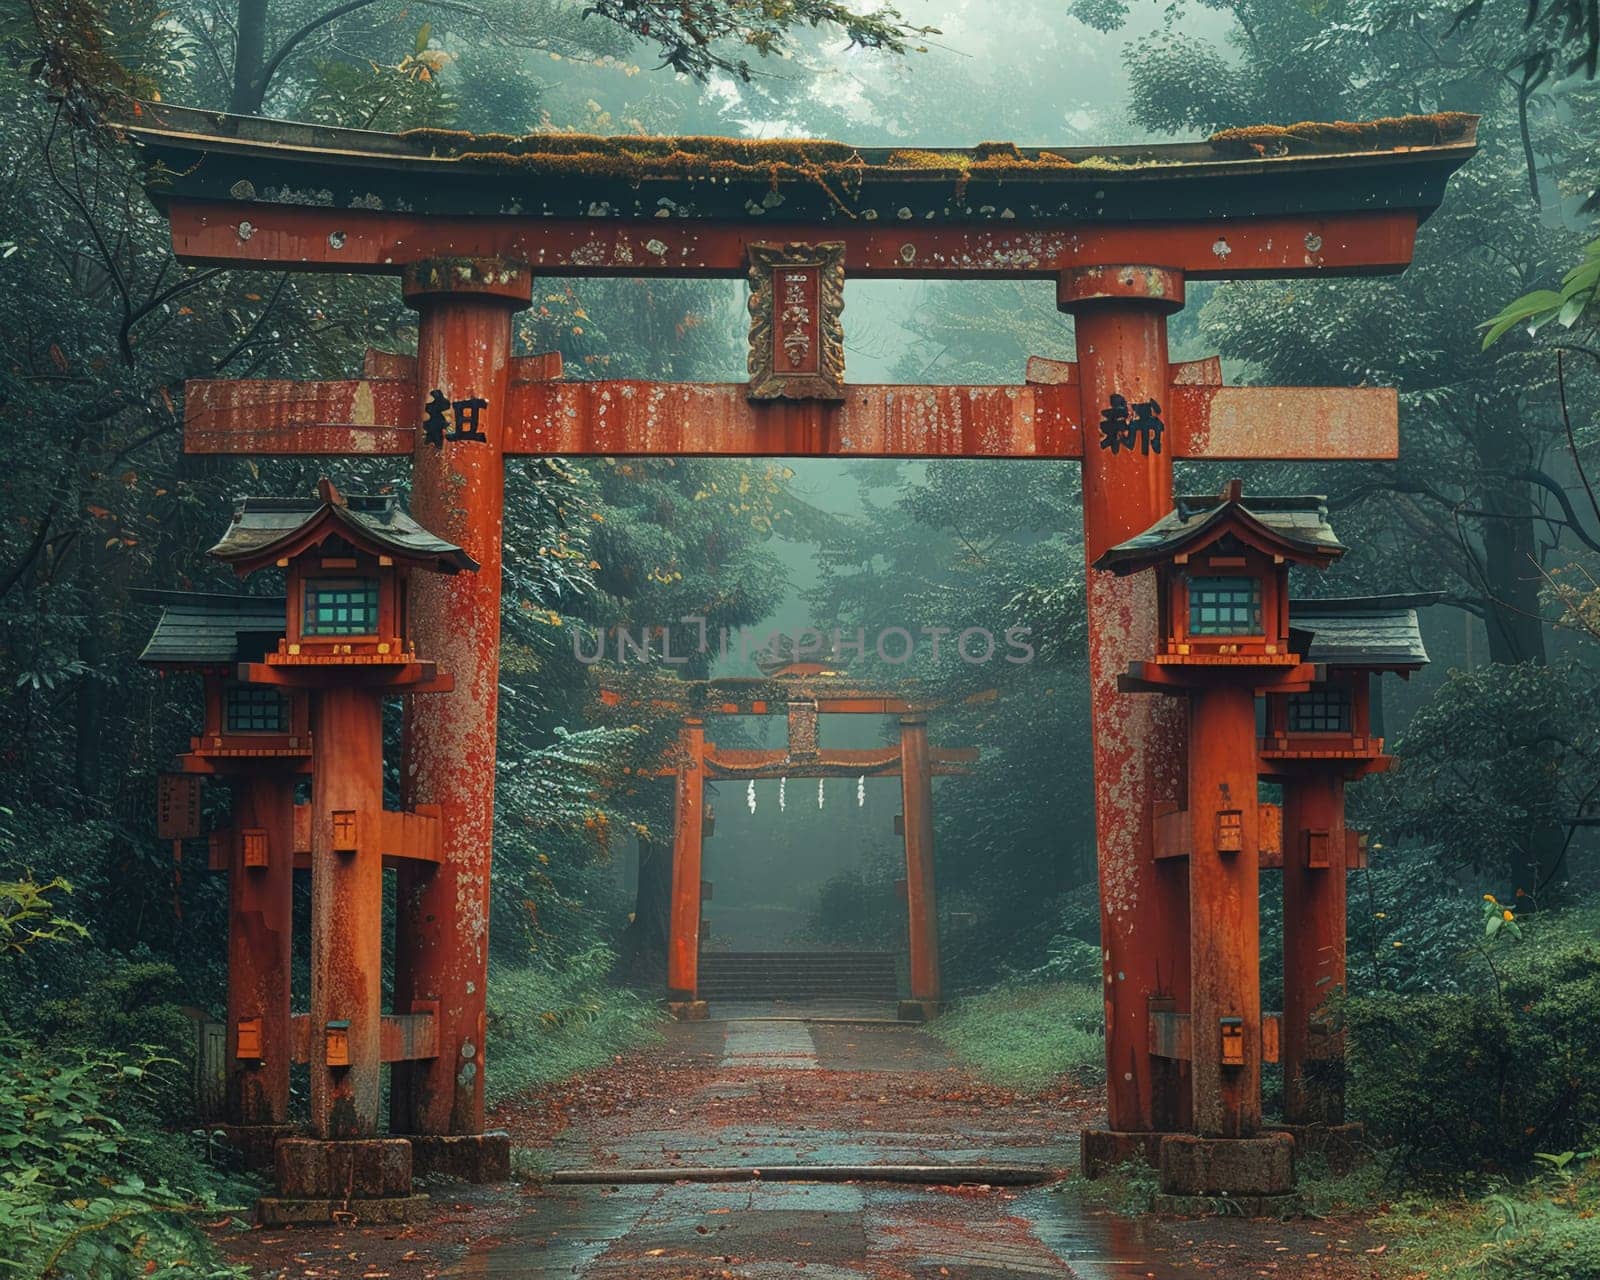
(257, 709)
(341, 607)
(1225, 606)
(1320, 711)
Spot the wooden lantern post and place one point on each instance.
(258, 742)
(1223, 636)
(1316, 742)
(347, 643)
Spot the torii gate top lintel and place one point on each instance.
(1307, 199)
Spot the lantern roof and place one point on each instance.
(265, 530)
(207, 629)
(1294, 527)
(1375, 632)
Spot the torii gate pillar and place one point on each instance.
(465, 308)
(1314, 904)
(1120, 315)
(688, 830)
(922, 910)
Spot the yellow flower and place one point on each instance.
(1397, 944)
(1507, 915)
(1489, 897)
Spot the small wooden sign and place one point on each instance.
(177, 806)
(803, 741)
(796, 321)
(253, 846)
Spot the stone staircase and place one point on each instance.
(798, 975)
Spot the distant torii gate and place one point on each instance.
(467, 222)
(803, 692)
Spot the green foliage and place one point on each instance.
(1578, 296)
(857, 907)
(1545, 1229)
(1128, 1189)
(692, 36)
(76, 1196)
(134, 1006)
(1486, 1077)
(1492, 767)
(1027, 1036)
(549, 1022)
(28, 914)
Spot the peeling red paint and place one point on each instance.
(458, 492)
(1122, 349)
(297, 238)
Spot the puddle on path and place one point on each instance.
(768, 1045)
(839, 1231)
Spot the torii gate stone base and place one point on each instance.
(466, 223)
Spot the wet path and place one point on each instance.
(811, 1230)
(775, 1092)
(759, 1092)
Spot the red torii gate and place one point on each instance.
(466, 222)
(801, 691)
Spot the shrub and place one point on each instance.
(1485, 1078)
(1027, 1036)
(132, 1007)
(547, 1024)
(856, 908)
(77, 1195)
(1547, 1229)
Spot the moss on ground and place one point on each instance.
(1026, 1036)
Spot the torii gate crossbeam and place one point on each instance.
(467, 223)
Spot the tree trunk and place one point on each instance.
(1517, 634)
(642, 951)
(91, 692)
(1516, 631)
(249, 59)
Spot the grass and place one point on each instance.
(1127, 1190)
(1027, 1036)
(1545, 1229)
(546, 1025)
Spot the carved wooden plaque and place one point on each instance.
(803, 743)
(796, 321)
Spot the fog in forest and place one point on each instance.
(637, 591)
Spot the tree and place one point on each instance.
(1478, 501)
(694, 39)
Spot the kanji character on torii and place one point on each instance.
(467, 222)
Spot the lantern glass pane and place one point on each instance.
(1225, 606)
(341, 607)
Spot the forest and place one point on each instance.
(1474, 932)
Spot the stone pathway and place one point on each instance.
(800, 1230)
(760, 1091)
(825, 1093)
